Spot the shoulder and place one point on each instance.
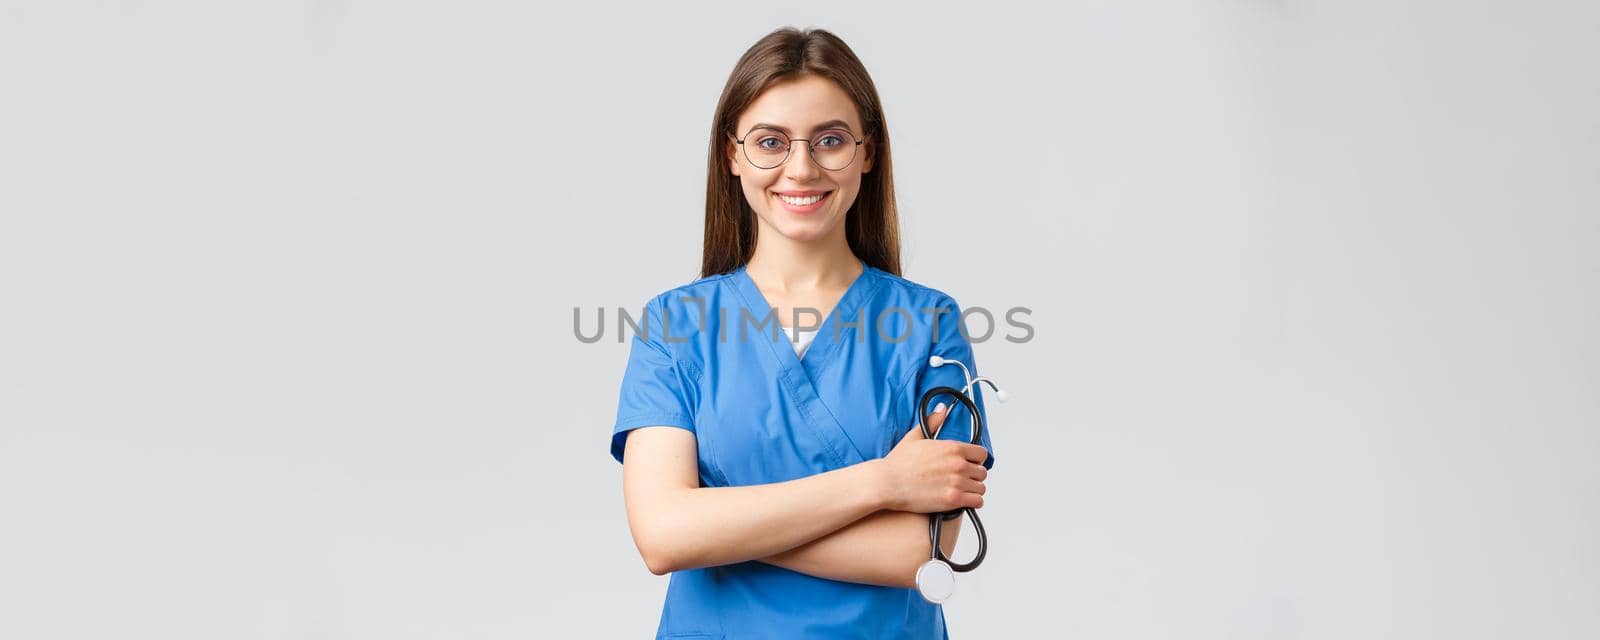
(908, 293)
(676, 316)
(929, 314)
(689, 294)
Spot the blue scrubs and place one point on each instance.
(762, 414)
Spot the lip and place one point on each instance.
(810, 208)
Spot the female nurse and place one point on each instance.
(767, 417)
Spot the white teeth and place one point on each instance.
(800, 202)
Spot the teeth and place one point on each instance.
(800, 202)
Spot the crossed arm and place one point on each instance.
(837, 525)
(871, 550)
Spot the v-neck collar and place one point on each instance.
(801, 377)
(826, 341)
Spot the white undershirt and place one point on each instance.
(804, 341)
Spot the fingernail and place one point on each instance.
(938, 407)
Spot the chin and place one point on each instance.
(805, 232)
(805, 235)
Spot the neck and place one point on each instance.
(785, 264)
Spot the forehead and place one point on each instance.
(800, 104)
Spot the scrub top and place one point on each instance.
(708, 357)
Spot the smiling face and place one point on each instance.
(799, 199)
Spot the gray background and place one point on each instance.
(286, 348)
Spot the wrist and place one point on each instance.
(879, 489)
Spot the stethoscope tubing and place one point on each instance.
(934, 519)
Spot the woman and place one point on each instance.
(785, 489)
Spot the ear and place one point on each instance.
(868, 154)
(732, 154)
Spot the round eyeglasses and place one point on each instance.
(831, 149)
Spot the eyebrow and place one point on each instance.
(831, 124)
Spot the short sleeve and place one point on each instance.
(655, 389)
(951, 344)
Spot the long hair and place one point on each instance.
(872, 226)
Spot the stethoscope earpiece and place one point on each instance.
(999, 394)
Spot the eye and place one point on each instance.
(831, 139)
(770, 143)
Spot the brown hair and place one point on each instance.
(871, 225)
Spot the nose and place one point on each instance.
(800, 168)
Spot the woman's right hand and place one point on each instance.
(928, 476)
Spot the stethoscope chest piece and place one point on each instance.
(936, 580)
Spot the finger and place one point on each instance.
(933, 427)
(914, 434)
(974, 453)
(968, 485)
(977, 472)
(935, 418)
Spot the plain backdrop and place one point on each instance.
(287, 295)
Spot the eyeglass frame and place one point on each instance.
(810, 152)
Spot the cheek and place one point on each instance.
(853, 188)
(755, 191)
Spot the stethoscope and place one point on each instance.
(936, 578)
